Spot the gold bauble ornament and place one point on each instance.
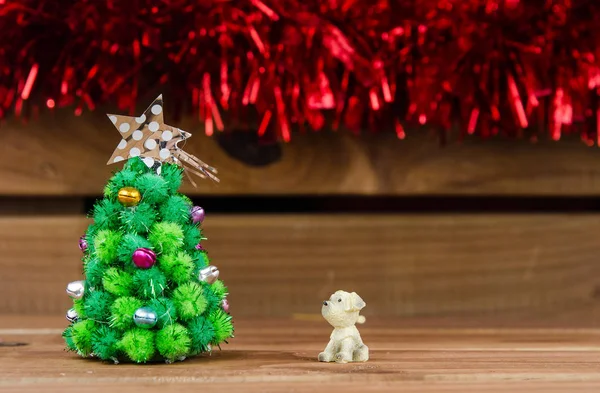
(129, 196)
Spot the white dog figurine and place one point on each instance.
(345, 345)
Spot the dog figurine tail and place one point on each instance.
(361, 319)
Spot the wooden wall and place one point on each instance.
(66, 155)
(539, 266)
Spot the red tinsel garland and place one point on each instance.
(490, 66)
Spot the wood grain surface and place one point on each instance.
(541, 266)
(280, 356)
(67, 155)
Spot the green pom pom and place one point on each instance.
(191, 236)
(68, 337)
(202, 334)
(154, 189)
(106, 214)
(213, 301)
(175, 209)
(189, 201)
(105, 342)
(173, 342)
(189, 300)
(90, 236)
(97, 306)
(129, 244)
(221, 322)
(200, 260)
(138, 344)
(124, 178)
(149, 283)
(177, 267)
(82, 333)
(79, 307)
(138, 219)
(109, 192)
(165, 311)
(117, 282)
(173, 175)
(106, 243)
(122, 311)
(167, 237)
(93, 270)
(219, 288)
(136, 165)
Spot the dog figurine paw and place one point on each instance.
(345, 344)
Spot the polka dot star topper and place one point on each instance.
(155, 142)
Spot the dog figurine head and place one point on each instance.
(342, 309)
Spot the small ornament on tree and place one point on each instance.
(197, 214)
(129, 196)
(83, 244)
(145, 317)
(75, 289)
(72, 315)
(147, 294)
(209, 274)
(144, 258)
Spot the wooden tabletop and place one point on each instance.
(280, 356)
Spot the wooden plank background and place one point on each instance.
(537, 266)
(452, 265)
(61, 154)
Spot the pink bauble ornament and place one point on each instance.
(83, 243)
(225, 305)
(144, 258)
(199, 247)
(197, 214)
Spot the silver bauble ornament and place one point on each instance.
(72, 315)
(75, 289)
(145, 317)
(209, 274)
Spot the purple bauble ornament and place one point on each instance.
(225, 305)
(83, 243)
(199, 247)
(197, 214)
(144, 258)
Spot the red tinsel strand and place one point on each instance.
(492, 66)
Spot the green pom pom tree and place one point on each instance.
(168, 309)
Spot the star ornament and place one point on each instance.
(155, 142)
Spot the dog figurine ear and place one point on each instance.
(354, 302)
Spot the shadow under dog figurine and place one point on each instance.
(345, 344)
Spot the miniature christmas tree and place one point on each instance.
(150, 293)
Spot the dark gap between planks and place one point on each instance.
(310, 204)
